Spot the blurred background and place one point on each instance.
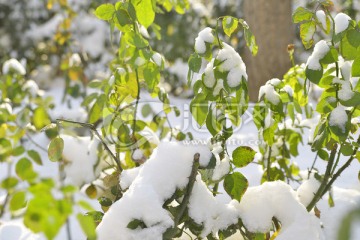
(63, 38)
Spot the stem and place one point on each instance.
(338, 173)
(189, 187)
(313, 164)
(93, 129)
(136, 102)
(268, 166)
(336, 162)
(217, 33)
(319, 192)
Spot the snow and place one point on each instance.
(270, 93)
(341, 22)
(346, 92)
(75, 60)
(147, 193)
(320, 15)
(13, 65)
(307, 190)
(158, 59)
(204, 35)
(222, 168)
(338, 117)
(288, 90)
(277, 199)
(209, 77)
(320, 50)
(207, 210)
(128, 176)
(80, 154)
(232, 63)
(138, 154)
(31, 87)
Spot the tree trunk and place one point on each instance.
(271, 23)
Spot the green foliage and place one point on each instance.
(242, 156)
(235, 185)
(55, 149)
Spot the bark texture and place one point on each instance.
(271, 23)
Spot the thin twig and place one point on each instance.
(319, 192)
(268, 168)
(94, 130)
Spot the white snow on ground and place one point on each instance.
(167, 169)
(341, 22)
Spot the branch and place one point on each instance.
(189, 188)
(319, 192)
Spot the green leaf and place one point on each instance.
(9, 183)
(242, 156)
(24, 169)
(40, 118)
(35, 156)
(355, 70)
(87, 225)
(314, 75)
(346, 149)
(5, 149)
(199, 108)
(213, 122)
(105, 11)
(18, 201)
(122, 17)
(307, 31)
(55, 149)
(194, 62)
(134, 224)
(235, 185)
(229, 24)
(105, 202)
(353, 37)
(97, 108)
(324, 155)
(144, 12)
(302, 14)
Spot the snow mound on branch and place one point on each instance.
(307, 190)
(277, 199)
(167, 169)
(269, 92)
(14, 65)
(80, 154)
(204, 36)
(320, 50)
(341, 22)
(338, 118)
(205, 209)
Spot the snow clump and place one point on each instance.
(320, 50)
(167, 169)
(338, 118)
(341, 22)
(268, 91)
(320, 15)
(204, 36)
(14, 65)
(277, 199)
(232, 63)
(80, 155)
